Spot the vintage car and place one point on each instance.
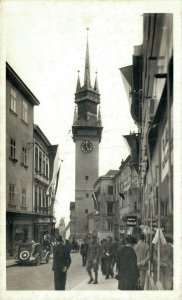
(31, 253)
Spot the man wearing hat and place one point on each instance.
(61, 263)
(128, 273)
(93, 259)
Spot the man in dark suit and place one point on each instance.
(128, 273)
(61, 263)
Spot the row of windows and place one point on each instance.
(41, 201)
(13, 152)
(13, 105)
(109, 190)
(41, 163)
(13, 198)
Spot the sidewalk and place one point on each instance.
(103, 284)
(10, 262)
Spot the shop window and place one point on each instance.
(13, 100)
(25, 112)
(110, 190)
(11, 194)
(24, 202)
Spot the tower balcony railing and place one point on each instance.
(89, 122)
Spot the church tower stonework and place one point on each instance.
(87, 131)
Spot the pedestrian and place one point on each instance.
(46, 243)
(84, 252)
(166, 263)
(61, 263)
(103, 257)
(120, 245)
(109, 250)
(115, 250)
(93, 260)
(128, 273)
(143, 256)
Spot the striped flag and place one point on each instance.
(96, 203)
(52, 188)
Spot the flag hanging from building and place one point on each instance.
(52, 188)
(96, 203)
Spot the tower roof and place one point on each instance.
(87, 83)
(87, 91)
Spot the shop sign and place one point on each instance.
(131, 221)
(43, 220)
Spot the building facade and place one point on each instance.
(149, 85)
(20, 104)
(44, 156)
(86, 129)
(29, 168)
(105, 220)
(129, 193)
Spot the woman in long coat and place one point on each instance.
(128, 273)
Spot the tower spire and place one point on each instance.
(87, 83)
(96, 88)
(78, 86)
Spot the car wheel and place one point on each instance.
(24, 255)
(37, 262)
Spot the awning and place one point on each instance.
(126, 74)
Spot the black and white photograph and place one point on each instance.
(90, 154)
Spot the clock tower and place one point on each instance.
(87, 130)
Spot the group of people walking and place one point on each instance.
(129, 259)
(126, 261)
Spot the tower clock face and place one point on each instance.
(86, 146)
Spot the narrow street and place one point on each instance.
(42, 277)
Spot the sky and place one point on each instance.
(46, 46)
